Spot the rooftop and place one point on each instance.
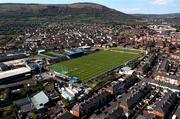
(126, 69)
(39, 100)
(14, 72)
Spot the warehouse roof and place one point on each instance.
(15, 62)
(39, 100)
(14, 72)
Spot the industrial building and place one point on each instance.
(37, 66)
(74, 53)
(14, 71)
(8, 57)
(15, 75)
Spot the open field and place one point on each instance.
(90, 66)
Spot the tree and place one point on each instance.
(9, 110)
(7, 93)
(33, 115)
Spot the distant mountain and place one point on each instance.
(77, 12)
(173, 18)
(171, 15)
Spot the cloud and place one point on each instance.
(162, 2)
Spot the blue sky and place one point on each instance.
(127, 6)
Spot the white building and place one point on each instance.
(126, 71)
(66, 95)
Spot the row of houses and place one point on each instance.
(67, 35)
(163, 107)
(88, 106)
(103, 97)
(130, 100)
(114, 111)
(147, 65)
(119, 86)
(168, 72)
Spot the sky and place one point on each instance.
(127, 6)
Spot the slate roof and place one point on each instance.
(115, 114)
(167, 103)
(131, 99)
(24, 104)
(66, 115)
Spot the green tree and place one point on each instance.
(7, 93)
(9, 110)
(33, 115)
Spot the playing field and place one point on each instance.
(90, 66)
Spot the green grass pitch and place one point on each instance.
(90, 66)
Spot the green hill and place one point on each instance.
(77, 12)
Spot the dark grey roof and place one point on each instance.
(22, 101)
(12, 85)
(27, 107)
(3, 67)
(177, 53)
(115, 114)
(66, 115)
(167, 103)
(164, 65)
(130, 99)
(140, 117)
(24, 104)
(12, 57)
(177, 112)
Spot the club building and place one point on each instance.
(15, 75)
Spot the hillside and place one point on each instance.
(77, 12)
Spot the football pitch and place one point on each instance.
(92, 65)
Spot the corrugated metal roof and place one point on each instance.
(14, 72)
(39, 100)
